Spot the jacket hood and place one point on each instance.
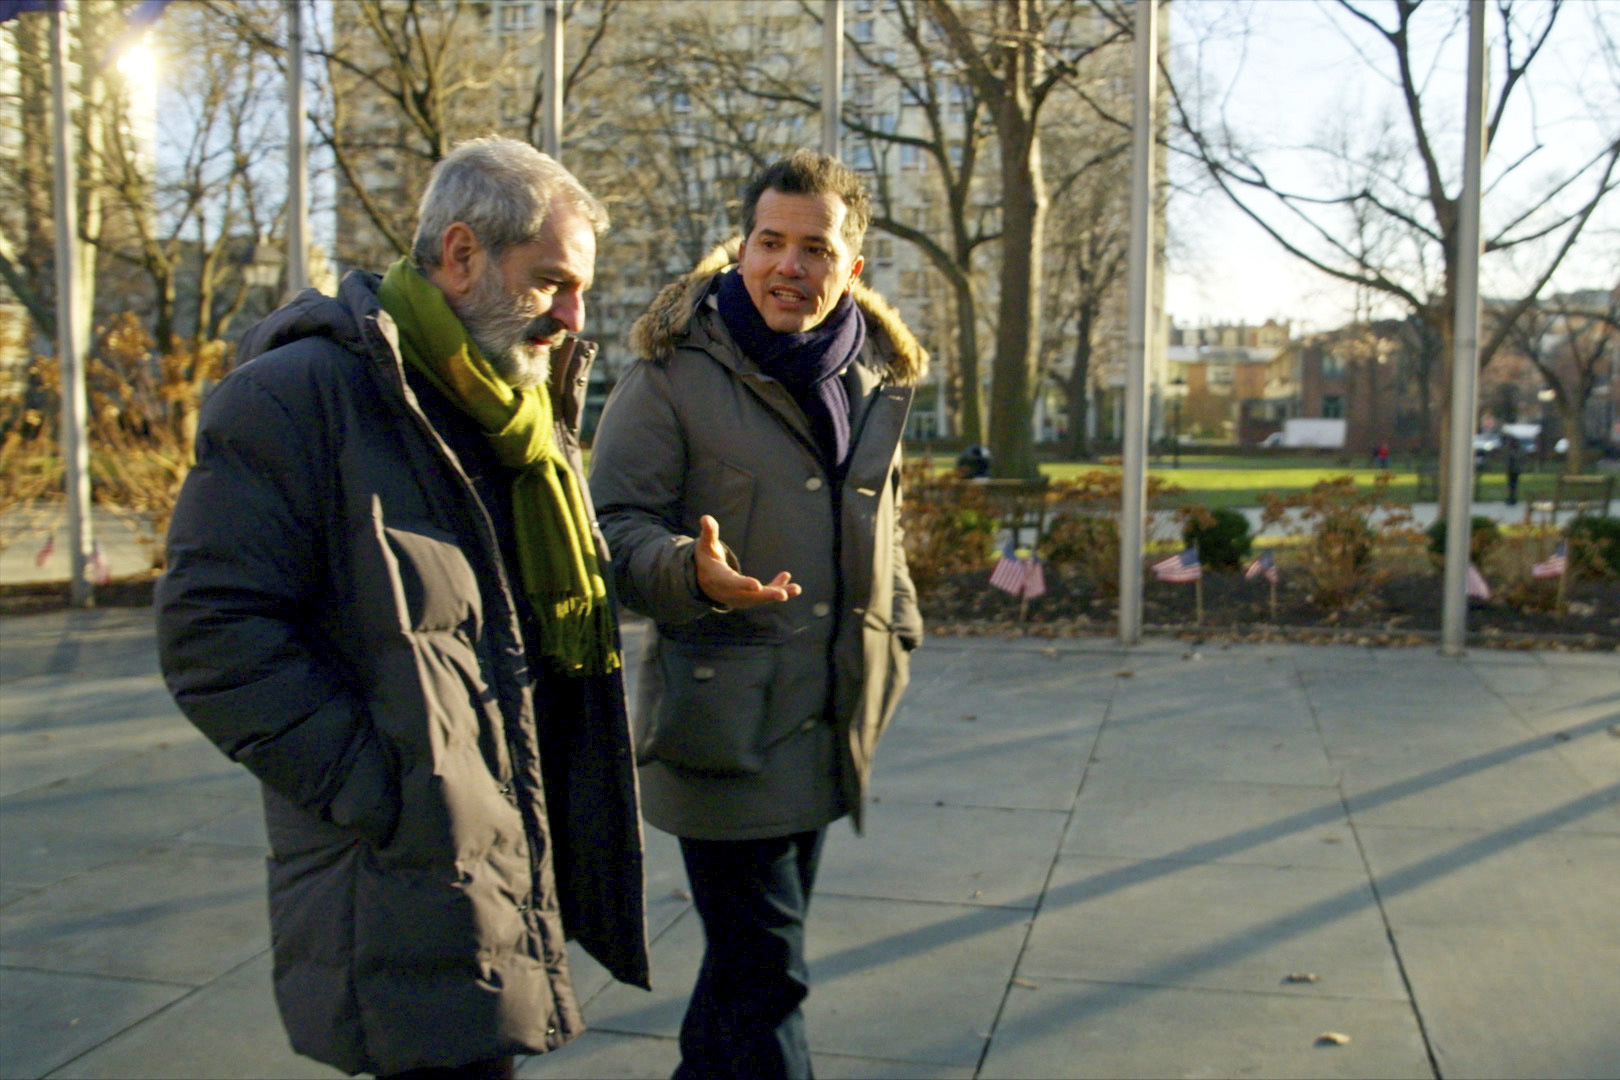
(341, 318)
(656, 334)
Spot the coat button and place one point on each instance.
(813, 484)
(821, 609)
(703, 673)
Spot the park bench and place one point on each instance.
(1019, 506)
(1585, 495)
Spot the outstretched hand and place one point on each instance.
(725, 586)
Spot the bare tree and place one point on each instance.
(407, 79)
(1573, 342)
(1014, 63)
(1086, 258)
(1383, 213)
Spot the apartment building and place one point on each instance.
(672, 106)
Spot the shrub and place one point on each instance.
(1594, 545)
(1082, 536)
(949, 526)
(1337, 522)
(1222, 536)
(1086, 546)
(1483, 537)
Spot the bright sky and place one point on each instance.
(1291, 76)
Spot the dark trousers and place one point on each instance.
(744, 1021)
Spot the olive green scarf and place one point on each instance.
(556, 550)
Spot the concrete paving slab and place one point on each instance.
(1499, 882)
(55, 728)
(183, 915)
(1486, 791)
(891, 980)
(908, 982)
(1194, 747)
(54, 832)
(48, 1018)
(1122, 814)
(950, 854)
(1215, 926)
(1080, 1029)
(676, 954)
(1515, 1006)
(974, 764)
(244, 827)
(839, 1067)
(95, 643)
(1188, 863)
(175, 1042)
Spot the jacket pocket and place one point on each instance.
(711, 716)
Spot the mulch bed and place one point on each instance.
(37, 597)
(1405, 610)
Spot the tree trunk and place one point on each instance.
(1023, 216)
(971, 421)
(1077, 387)
(1569, 412)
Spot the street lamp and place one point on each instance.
(1174, 392)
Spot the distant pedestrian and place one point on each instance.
(1512, 467)
(1381, 456)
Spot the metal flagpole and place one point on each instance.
(1133, 509)
(1465, 350)
(72, 328)
(297, 157)
(832, 74)
(552, 114)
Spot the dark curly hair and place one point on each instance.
(805, 172)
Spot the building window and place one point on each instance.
(518, 16)
(861, 30)
(910, 157)
(1333, 406)
(1332, 366)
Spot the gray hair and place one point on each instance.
(501, 189)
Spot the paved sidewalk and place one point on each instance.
(1082, 861)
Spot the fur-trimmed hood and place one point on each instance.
(656, 334)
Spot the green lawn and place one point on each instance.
(1231, 480)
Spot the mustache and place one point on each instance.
(543, 327)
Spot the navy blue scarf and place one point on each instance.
(806, 364)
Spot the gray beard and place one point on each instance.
(502, 333)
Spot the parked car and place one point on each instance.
(1487, 442)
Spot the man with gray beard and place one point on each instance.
(385, 598)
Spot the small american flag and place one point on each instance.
(1181, 567)
(1553, 565)
(100, 573)
(1477, 588)
(1265, 566)
(1018, 574)
(45, 553)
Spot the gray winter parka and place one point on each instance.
(336, 616)
(762, 722)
